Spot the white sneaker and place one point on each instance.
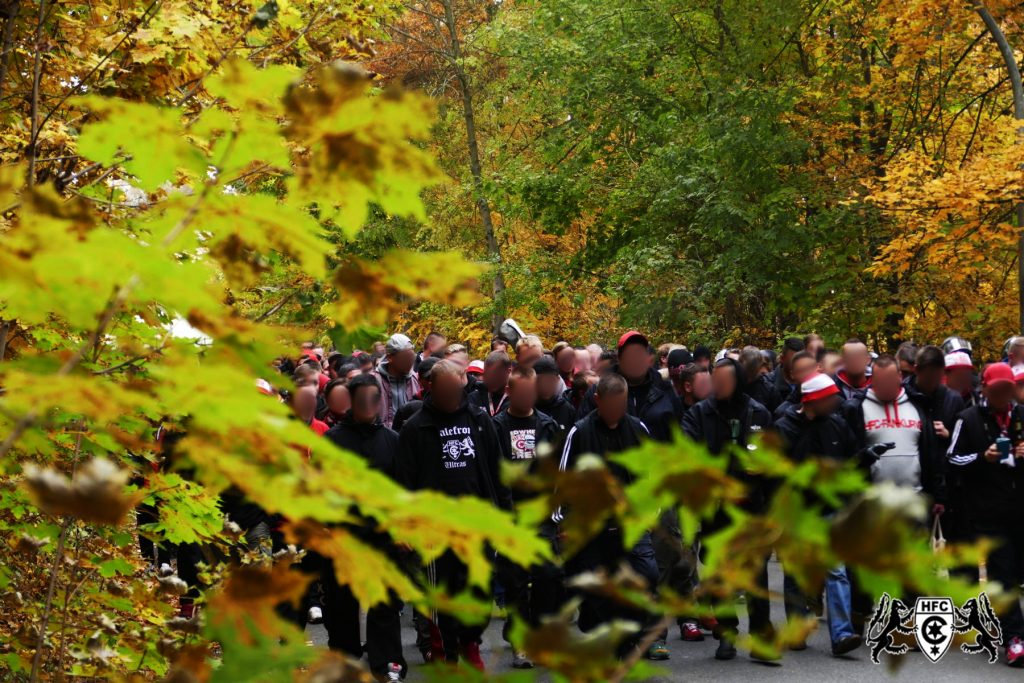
(394, 672)
(315, 615)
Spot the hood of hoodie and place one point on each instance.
(903, 397)
(845, 379)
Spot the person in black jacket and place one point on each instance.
(814, 430)
(361, 432)
(452, 447)
(760, 386)
(490, 392)
(549, 400)
(802, 366)
(531, 592)
(730, 418)
(608, 429)
(782, 376)
(993, 479)
(651, 398)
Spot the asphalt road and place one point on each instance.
(696, 662)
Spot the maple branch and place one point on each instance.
(116, 301)
(37, 73)
(649, 639)
(275, 308)
(145, 18)
(58, 559)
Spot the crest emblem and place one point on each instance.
(934, 625)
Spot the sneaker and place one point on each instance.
(315, 615)
(657, 652)
(847, 644)
(471, 653)
(711, 624)
(521, 661)
(726, 650)
(1015, 652)
(428, 656)
(761, 654)
(165, 569)
(690, 632)
(395, 672)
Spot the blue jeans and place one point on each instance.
(837, 599)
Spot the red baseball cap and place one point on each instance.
(997, 373)
(632, 337)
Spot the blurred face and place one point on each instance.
(999, 395)
(906, 367)
(496, 377)
(634, 361)
(304, 403)
(886, 382)
(434, 344)
(829, 364)
(855, 359)
(595, 352)
(1015, 354)
(446, 392)
(366, 404)
(700, 387)
(612, 408)
(603, 366)
(547, 387)
(401, 362)
(354, 372)
(787, 358)
(723, 382)
(960, 379)
(929, 379)
(1019, 392)
(528, 355)
(814, 346)
(583, 362)
(499, 346)
(802, 369)
(460, 357)
(522, 395)
(378, 347)
(566, 361)
(339, 400)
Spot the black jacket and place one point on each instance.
(480, 398)
(991, 490)
(559, 410)
(654, 402)
(792, 400)
(377, 444)
(764, 391)
(454, 453)
(711, 423)
(823, 437)
(714, 424)
(848, 390)
(931, 455)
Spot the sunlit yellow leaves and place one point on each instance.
(94, 494)
(357, 149)
(372, 292)
(146, 139)
(366, 570)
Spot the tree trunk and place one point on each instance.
(482, 203)
(1018, 113)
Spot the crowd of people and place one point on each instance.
(932, 419)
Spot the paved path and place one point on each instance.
(696, 662)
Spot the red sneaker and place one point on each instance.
(690, 632)
(1015, 652)
(471, 653)
(711, 624)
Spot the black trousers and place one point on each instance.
(448, 572)
(605, 551)
(1005, 564)
(533, 592)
